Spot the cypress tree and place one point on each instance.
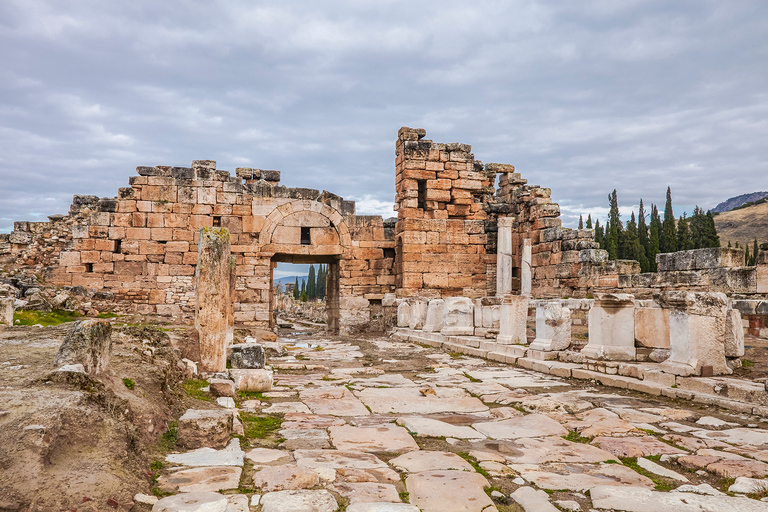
(642, 237)
(612, 233)
(729, 243)
(746, 255)
(634, 251)
(589, 221)
(684, 242)
(303, 295)
(668, 240)
(581, 222)
(653, 239)
(710, 231)
(311, 285)
(754, 253)
(296, 291)
(599, 234)
(696, 227)
(321, 276)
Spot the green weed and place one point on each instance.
(256, 426)
(129, 383)
(55, 317)
(471, 378)
(193, 389)
(574, 437)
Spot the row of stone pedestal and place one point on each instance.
(694, 333)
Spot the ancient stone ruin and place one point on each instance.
(474, 251)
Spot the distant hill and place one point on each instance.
(735, 202)
(743, 225)
(289, 279)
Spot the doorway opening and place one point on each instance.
(305, 290)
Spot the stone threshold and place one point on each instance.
(736, 395)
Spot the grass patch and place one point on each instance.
(661, 483)
(169, 437)
(251, 395)
(405, 496)
(725, 483)
(471, 378)
(259, 427)
(473, 462)
(55, 317)
(192, 387)
(574, 437)
(455, 355)
(107, 315)
(156, 491)
(156, 465)
(129, 383)
(746, 363)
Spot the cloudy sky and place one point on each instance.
(582, 97)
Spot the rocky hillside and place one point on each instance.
(743, 225)
(735, 202)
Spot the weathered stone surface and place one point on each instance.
(205, 428)
(532, 425)
(418, 314)
(540, 450)
(504, 260)
(634, 499)
(304, 438)
(747, 485)
(366, 492)
(635, 446)
(533, 500)
(89, 343)
(439, 491)
(428, 427)
(580, 477)
(602, 422)
(459, 318)
(715, 257)
(333, 401)
(734, 334)
(385, 438)
(285, 477)
(404, 314)
(336, 459)
(652, 327)
(201, 479)
(435, 314)
(410, 401)
(660, 470)
(260, 456)
(424, 460)
(611, 328)
(222, 387)
(232, 455)
(6, 310)
(553, 327)
(246, 355)
(513, 315)
(382, 507)
(298, 501)
(214, 303)
(252, 380)
(192, 502)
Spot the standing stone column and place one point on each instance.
(6, 311)
(553, 327)
(513, 316)
(213, 282)
(435, 314)
(504, 257)
(697, 333)
(418, 313)
(525, 268)
(612, 328)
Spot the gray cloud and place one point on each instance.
(582, 97)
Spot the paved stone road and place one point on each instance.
(379, 425)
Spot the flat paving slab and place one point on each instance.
(532, 425)
(410, 400)
(385, 438)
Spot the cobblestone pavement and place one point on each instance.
(374, 424)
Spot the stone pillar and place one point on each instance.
(525, 268)
(418, 313)
(459, 317)
(697, 323)
(761, 270)
(404, 314)
(435, 313)
(734, 334)
(213, 285)
(553, 327)
(513, 316)
(612, 328)
(6, 310)
(504, 257)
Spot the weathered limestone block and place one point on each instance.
(205, 428)
(504, 256)
(594, 256)
(192, 502)
(222, 387)
(513, 316)
(761, 272)
(553, 327)
(246, 355)
(696, 332)
(459, 317)
(418, 313)
(611, 328)
(214, 302)
(652, 327)
(696, 259)
(89, 343)
(435, 313)
(404, 314)
(252, 380)
(734, 334)
(6, 310)
(526, 271)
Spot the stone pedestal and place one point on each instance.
(404, 314)
(513, 315)
(459, 318)
(553, 327)
(504, 257)
(734, 334)
(652, 327)
(418, 313)
(612, 328)
(435, 313)
(214, 301)
(525, 268)
(6, 311)
(696, 332)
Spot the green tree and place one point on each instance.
(712, 239)
(599, 236)
(755, 249)
(322, 274)
(633, 249)
(589, 221)
(642, 236)
(668, 240)
(614, 227)
(684, 242)
(296, 290)
(311, 285)
(581, 222)
(747, 259)
(654, 238)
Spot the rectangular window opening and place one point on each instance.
(118, 246)
(217, 221)
(305, 237)
(422, 197)
(89, 267)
